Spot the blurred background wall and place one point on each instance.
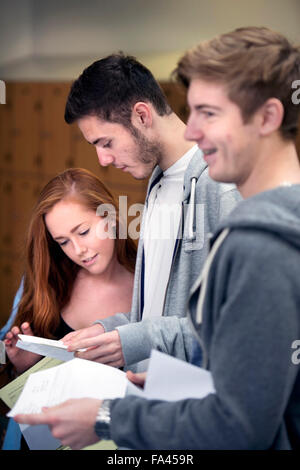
(44, 46)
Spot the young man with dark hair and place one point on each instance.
(245, 305)
(121, 110)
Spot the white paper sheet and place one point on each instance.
(171, 379)
(168, 379)
(73, 379)
(45, 347)
(42, 341)
(77, 378)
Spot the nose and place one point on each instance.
(79, 247)
(103, 158)
(193, 130)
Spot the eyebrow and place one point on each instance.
(72, 231)
(201, 106)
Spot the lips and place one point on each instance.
(90, 260)
(121, 167)
(209, 151)
(209, 155)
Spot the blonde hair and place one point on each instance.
(254, 64)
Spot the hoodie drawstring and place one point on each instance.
(191, 211)
(204, 274)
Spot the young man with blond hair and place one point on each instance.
(245, 304)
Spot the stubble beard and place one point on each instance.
(148, 153)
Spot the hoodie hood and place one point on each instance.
(276, 211)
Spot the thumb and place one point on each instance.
(26, 329)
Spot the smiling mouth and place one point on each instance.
(89, 260)
(209, 151)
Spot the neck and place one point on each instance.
(170, 132)
(276, 164)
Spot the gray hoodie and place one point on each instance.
(245, 314)
(204, 204)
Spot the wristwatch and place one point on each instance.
(102, 425)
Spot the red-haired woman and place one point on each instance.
(77, 271)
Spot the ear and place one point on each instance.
(141, 116)
(272, 113)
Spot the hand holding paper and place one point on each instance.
(45, 347)
(105, 348)
(76, 339)
(55, 387)
(71, 422)
(20, 359)
(79, 378)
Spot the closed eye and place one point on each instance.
(84, 233)
(107, 144)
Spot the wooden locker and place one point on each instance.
(6, 129)
(10, 281)
(24, 200)
(25, 126)
(7, 221)
(54, 134)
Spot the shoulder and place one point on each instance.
(257, 247)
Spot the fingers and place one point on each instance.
(15, 331)
(80, 339)
(32, 419)
(47, 416)
(137, 379)
(105, 348)
(26, 329)
(92, 341)
(70, 336)
(12, 336)
(84, 343)
(71, 422)
(7, 341)
(106, 356)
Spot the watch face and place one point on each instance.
(102, 430)
(102, 425)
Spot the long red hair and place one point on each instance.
(49, 274)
